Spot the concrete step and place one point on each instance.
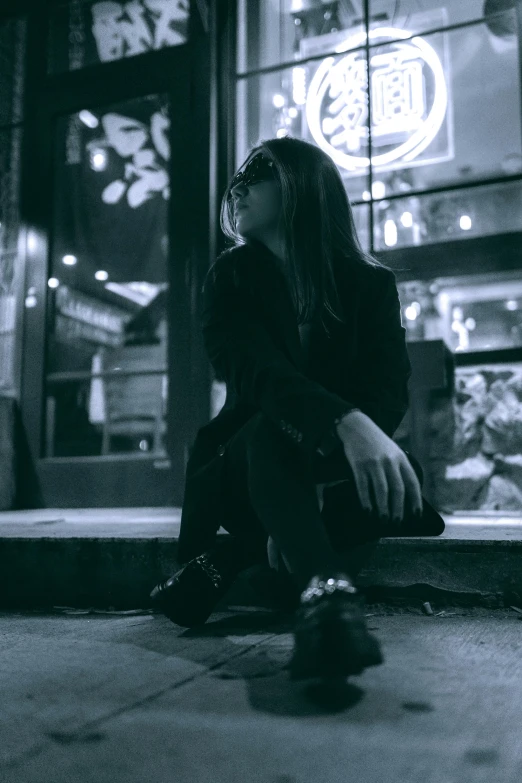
(106, 558)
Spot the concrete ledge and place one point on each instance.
(114, 557)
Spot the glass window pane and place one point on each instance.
(276, 104)
(483, 450)
(86, 32)
(470, 313)
(12, 54)
(108, 272)
(418, 17)
(108, 415)
(445, 109)
(437, 217)
(271, 32)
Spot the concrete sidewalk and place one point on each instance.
(108, 698)
(114, 557)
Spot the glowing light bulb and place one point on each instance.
(69, 260)
(407, 219)
(53, 282)
(99, 160)
(278, 100)
(378, 189)
(299, 86)
(101, 275)
(390, 233)
(465, 222)
(88, 118)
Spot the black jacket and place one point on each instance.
(252, 340)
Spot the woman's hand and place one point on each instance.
(378, 462)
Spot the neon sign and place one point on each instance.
(408, 94)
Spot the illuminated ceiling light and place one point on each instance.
(411, 313)
(69, 260)
(98, 159)
(378, 189)
(101, 275)
(331, 73)
(53, 282)
(32, 241)
(366, 195)
(465, 222)
(88, 118)
(292, 112)
(390, 233)
(407, 219)
(299, 86)
(278, 100)
(511, 304)
(281, 133)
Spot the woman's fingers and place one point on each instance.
(363, 488)
(394, 486)
(397, 492)
(371, 478)
(412, 486)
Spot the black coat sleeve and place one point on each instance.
(244, 355)
(382, 383)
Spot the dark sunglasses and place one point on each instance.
(259, 169)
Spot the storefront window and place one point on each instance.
(86, 32)
(470, 313)
(107, 327)
(272, 31)
(448, 215)
(445, 110)
(477, 440)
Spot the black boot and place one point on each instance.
(330, 633)
(189, 597)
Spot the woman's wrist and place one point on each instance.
(348, 418)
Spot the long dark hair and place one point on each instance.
(318, 225)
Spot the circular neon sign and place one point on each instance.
(337, 100)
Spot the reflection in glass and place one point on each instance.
(439, 217)
(271, 32)
(107, 327)
(471, 313)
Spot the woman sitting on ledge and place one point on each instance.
(305, 329)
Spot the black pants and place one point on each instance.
(271, 491)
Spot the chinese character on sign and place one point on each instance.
(145, 170)
(349, 108)
(398, 100)
(409, 101)
(125, 29)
